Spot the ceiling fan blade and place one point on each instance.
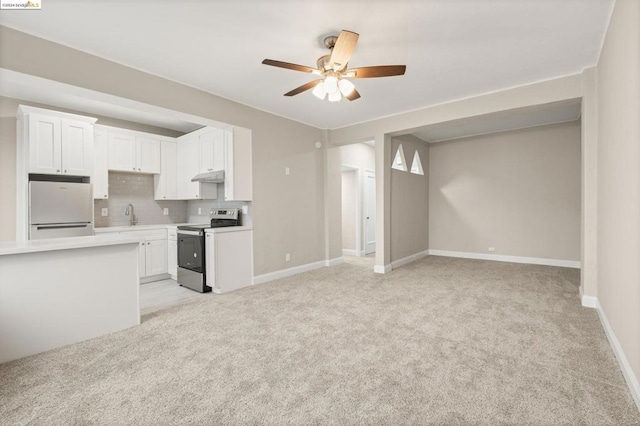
(303, 88)
(353, 95)
(378, 71)
(288, 65)
(343, 49)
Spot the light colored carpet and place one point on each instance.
(439, 341)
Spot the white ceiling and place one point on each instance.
(453, 49)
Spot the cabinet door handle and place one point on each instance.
(138, 168)
(58, 171)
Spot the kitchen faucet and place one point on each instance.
(129, 211)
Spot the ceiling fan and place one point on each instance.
(334, 72)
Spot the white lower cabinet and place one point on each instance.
(229, 259)
(152, 252)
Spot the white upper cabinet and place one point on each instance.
(45, 144)
(122, 152)
(211, 150)
(58, 143)
(166, 183)
(148, 155)
(100, 177)
(77, 148)
(190, 166)
(238, 182)
(130, 152)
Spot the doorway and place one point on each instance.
(358, 199)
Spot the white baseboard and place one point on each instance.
(627, 372)
(503, 258)
(589, 301)
(349, 252)
(382, 269)
(400, 262)
(334, 262)
(283, 273)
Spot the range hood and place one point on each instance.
(210, 177)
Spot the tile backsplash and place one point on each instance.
(205, 207)
(136, 189)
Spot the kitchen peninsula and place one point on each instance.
(59, 291)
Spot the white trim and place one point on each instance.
(412, 258)
(589, 302)
(503, 258)
(283, 273)
(627, 371)
(349, 252)
(334, 262)
(382, 269)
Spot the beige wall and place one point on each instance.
(516, 191)
(7, 178)
(349, 203)
(358, 155)
(409, 201)
(619, 179)
(288, 211)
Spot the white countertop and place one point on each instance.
(107, 229)
(51, 244)
(106, 236)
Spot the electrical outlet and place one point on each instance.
(165, 211)
(287, 171)
(491, 249)
(199, 210)
(245, 209)
(287, 257)
(105, 211)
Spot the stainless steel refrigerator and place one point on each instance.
(60, 209)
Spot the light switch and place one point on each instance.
(105, 211)
(286, 171)
(199, 210)
(245, 209)
(165, 211)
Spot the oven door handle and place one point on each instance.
(185, 232)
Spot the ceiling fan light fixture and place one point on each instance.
(331, 84)
(335, 96)
(346, 87)
(320, 91)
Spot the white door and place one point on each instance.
(369, 212)
(77, 148)
(44, 144)
(148, 155)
